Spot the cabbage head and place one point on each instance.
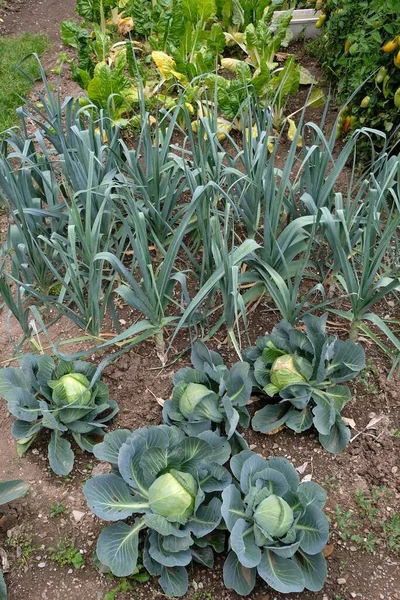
(274, 516)
(283, 372)
(172, 495)
(73, 388)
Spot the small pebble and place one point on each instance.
(342, 581)
(41, 565)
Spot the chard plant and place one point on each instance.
(63, 398)
(10, 490)
(210, 396)
(305, 369)
(276, 527)
(171, 483)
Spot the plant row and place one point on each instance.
(191, 231)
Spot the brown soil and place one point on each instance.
(136, 381)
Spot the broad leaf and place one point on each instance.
(313, 568)
(110, 498)
(12, 489)
(237, 577)
(160, 555)
(174, 581)
(282, 574)
(244, 545)
(338, 437)
(312, 493)
(232, 506)
(315, 526)
(61, 456)
(270, 417)
(109, 448)
(117, 547)
(206, 519)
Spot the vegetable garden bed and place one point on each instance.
(120, 248)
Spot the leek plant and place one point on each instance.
(362, 270)
(154, 177)
(149, 288)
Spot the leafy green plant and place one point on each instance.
(276, 527)
(305, 370)
(65, 554)
(361, 262)
(64, 398)
(57, 509)
(210, 396)
(359, 51)
(172, 482)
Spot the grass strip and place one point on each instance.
(13, 85)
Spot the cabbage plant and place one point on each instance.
(305, 369)
(276, 527)
(166, 484)
(60, 397)
(210, 396)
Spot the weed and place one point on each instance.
(23, 543)
(57, 509)
(345, 523)
(329, 482)
(391, 530)
(368, 376)
(123, 586)
(367, 504)
(203, 595)
(65, 553)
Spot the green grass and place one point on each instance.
(13, 84)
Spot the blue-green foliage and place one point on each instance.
(182, 533)
(306, 370)
(40, 395)
(210, 396)
(283, 546)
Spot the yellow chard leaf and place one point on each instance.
(164, 63)
(292, 133)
